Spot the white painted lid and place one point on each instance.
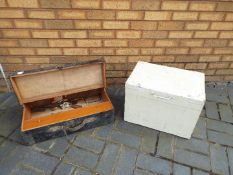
(168, 80)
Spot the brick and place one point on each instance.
(149, 140)
(226, 34)
(226, 113)
(2, 3)
(157, 15)
(195, 145)
(42, 14)
(23, 3)
(28, 24)
(143, 25)
(170, 25)
(74, 34)
(127, 51)
(125, 139)
(141, 43)
(212, 110)
(153, 164)
(101, 34)
(89, 143)
(58, 24)
(3, 51)
(227, 58)
(16, 33)
(195, 66)
(218, 154)
(33, 43)
(49, 51)
(187, 58)
(37, 60)
(200, 129)
(134, 59)
(111, 74)
(55, 4)
(202, 6)
(142, 172)
(163, 59)
(113, 59)
(185, 16)
(118, 4)
(166, 43)
(100, 14)
(218, 65)
(61, 43)
(226, 50)
(82, 171)
(128, 34)
(174, 5)
(197, 25)
(88, 43)
(199, 172)
(81, 157)
(107, 160)
(115, 43)
(101, 51)
(154, 34)
(214, 78)
(71, 14)
(200, 50)
(45, 34)
(229, 17)
(8, 43)
(219, 126)
(145, 5)
(209, 58)
(215, 43)
(221, 26)
(119, 66)
(152, 51)
(126, 162)
(206, 34)
(21, 51)
(180, 34)
(6, 24)
(230, 157)
(87, 24)
(64, 168)
(176, 50)
(11, 13)
(191, 42)
(220, 138)
(230, 43)
(75, 51)
(225, 6)
(211, 16)
(180, 169)
(86, 4)
(130, 15)
(165, 146)
(192, 159)
(115, 25)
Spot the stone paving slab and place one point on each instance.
(123, 148)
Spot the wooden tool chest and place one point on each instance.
(62, 100)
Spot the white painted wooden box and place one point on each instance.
(164, 98)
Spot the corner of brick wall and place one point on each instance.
(195, 35)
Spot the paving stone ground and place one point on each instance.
(122, 148)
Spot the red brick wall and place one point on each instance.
(195, 35)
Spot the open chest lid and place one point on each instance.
(30, 87)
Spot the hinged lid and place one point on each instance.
(166, 82)
(41, 85)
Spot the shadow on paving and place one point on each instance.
(123, 148)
